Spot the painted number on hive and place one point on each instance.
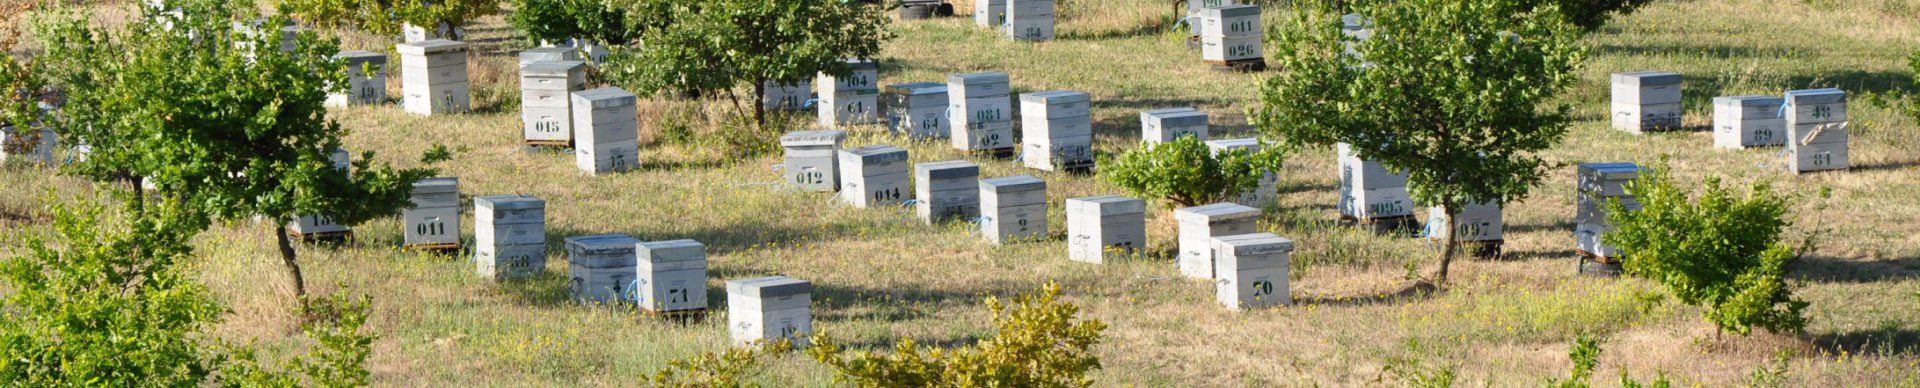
(1823, 159)
(431, 228)
(1822, 112)
(886, 194)
(1262, 287)
(1242, 50)
(546, 126)
(809, 178)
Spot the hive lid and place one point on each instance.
(429, 47)
(947, 169)
(917, 88)
(509, 202)
(551, 68)
(769, 287)
(1355, 22)
(672, 250)
(1054, 97)
(566, 53)
(1013, 184)
(812, 138)
(1106, 205)
(1229, 144)
(607, 97)
(1231, 11)
(1647, 78)
(1177, 117)
(437, 185)
(355, 58)
(1216, 212)
(981, 78)
(1256, 244)
(600, 244)
(1768, 101)
(877, 154)
(862, 64)
(1816, 96)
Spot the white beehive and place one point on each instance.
(849, 100)
(946, 190)
(1253, 270)
(1816, 129)
(769, 309)
(509, 237)
(605, 130)
(1200, 224)
(990, 13)
(1369, 191)
(546, 102)
(980, 111)
(874, 176)
(366, 79)
(1013, 208)
(434, 219)
(412, 34)
(791, 96)
(1059, 130)
(1030, 20)
(315, 226)
(918, 110)
(433, 77)
(1477, 222)
(1193, 12)
(1230, 33)
(18, 146)
(1597, 183)
(1105, 227)
(1164, 125)
(812, 159)
(1748, 121)
(601, 267)
(1267, 189)
(671, 276)
(1646, 101)
(538, 54)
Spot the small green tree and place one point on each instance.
(233, 136)
(387, 17)
(1037, 345)
(600, 21)
(1585, 354)
(1719, 251)
(1453, 98)
(1186, 172)
(719, 45)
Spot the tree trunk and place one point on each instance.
(1449, 244)
(760, 103)
(287, 256)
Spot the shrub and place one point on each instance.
(1717, 251)
(1585, 355)
(1187, 173)
(1590, 15)
(726, 369)
(1037, 345)
(599, 21)
(387, 16)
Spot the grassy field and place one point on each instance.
(882, 276)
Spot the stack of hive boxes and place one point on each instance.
(1059, 130)
(850, 100)
(1253, 270)
(546, 112)
(433, 77)
(874, 176)
(769, 309)
(601, 266)
(789, 96)
(1268, 187)
(1030, 20)
(1748, 121)
(1230, 38)
(1817, 129)
(1013, 208)
(1646, 101)
(509, 237)
(990, 13)
(1193, 14)
(1478, 223)
(918, 110)
(538, 54)
(1370, 195)
(366, 79)
(1164, 125)
(605, 130)
(946, 190)
(1599, 182)
(671, 277)
(812, 159)
(320, 227)
(1105, 227)
(434, 220)
(980, 110)
(17, 144)
(1200, 224)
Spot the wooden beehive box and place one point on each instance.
(1105, 227)
(769, 309)
(980, 111)
(812, 159)
(947, 190)
(671, 276)
(849, 100)
(1164, 125)
(605, 129)
(1200, 224)
(1059, 130)
(1748, 121)
(1013, 208)
(509, 237)
(1030, 20)
(918, 110)
(1817, 134)
(1646, 101)
(1268, 187)
(1477, 222)
(1231, 33)
(434, 220)
(546, 102)
(1369, 191)
(789, 96)
(366, 79)
(990, 13)
(1253, 270)
(433, 77)
(601, 267)
(874, 176)
(538, 54)
(317, 226)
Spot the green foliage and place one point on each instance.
(727, 369)
(233, 136)
(722, 44)
(1187, 173)
(1585, 354)
(1590, 15)
(1774, 373)
(387, 16)
(1453, 98)
(1037, 345)
(600, 21)
(1413, 373)
(1718, 251)
(19, 109)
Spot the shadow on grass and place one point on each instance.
(1419, 290)
(1884, 342)
(1888, 166)
(1714, 51)
(1537, 255)
(840, 302)
(1553, 227)
(1839, 270)
(1157, 26)
(1700, 91)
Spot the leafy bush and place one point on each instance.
(1037, 345)
(600, 21)
(386, 17)
(1717, 251)
(1585, 354)
(1590, 15)
(727, 369)
(1187, 173)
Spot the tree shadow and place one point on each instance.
(1419, 290)
(1889, 166)
(1885, 342)
(1828, 269)
(1529, 228)
(1713, 51)
(1157, 26)
(1551, 254)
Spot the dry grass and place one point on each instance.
(883, 276)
